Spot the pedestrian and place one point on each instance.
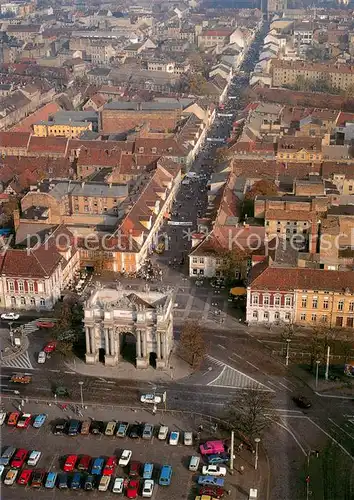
(242, 469)
(317, 453)
(19, 408)
(240, 447)
(200, 428)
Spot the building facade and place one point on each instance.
(116, 317)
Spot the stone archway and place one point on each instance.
(127, 346)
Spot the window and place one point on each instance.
(339, 321)
(21, 287)
(288, 301)
(341, 305)
(304, 302)
(255, 315)
(195, 271)
(266, 315)
(325, 303)
(287, 317)
(11, 286)
(276, 315)
(302, 317)
(42, 302)
(195, 260)
(314, 303)
(201, 260)
(351, 306)
(324, 318)
(266, 300)
(32, 301)
(23, 301)
(314, 318)
(255, 300)
(218, 262)
(201, 271)
(277, 300)
(350, 322)
(13, 301)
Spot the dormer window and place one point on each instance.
(141, 150)
(154, 150)
(169, 150)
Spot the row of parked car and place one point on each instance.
(85, 473)
(22, 420)
(74, 427)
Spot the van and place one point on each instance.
(7, 455)
(194, 464)
(212, 448)
(163, 432)
(165, 475)
(104, 483)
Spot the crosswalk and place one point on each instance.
(21, 361)
(29, 327)
(230, 377)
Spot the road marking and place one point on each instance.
(285, 409)
(70, 373)
(254, 366)
(237, 355)
(331, 437)
(221, 346)
(55, 371)
(287, 388)
(336, 397)
(110, 382)
(347, 433)
(286, 428)
(220, 336)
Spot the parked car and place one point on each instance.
(24, 421)
(125, 458)
(150, 398)
(134, 468)
(194, 463)
(97, 466)
(148, 470)
(174, 438)
(97, 427)
(110, 428)
(89, 483)
(85, 428)
(188, 438)
(302, 401)
(60, 427)
(19, 458)
(51, 480)
(223, 458)
(135, 431)
(10, 477)
(37, 478)
(148, 431)
(74, 427)
(76, 481)
(110, 466)
(213, 491)
(163, 432)
(41, 357)
(24, 477)
(2, 417)
(70, 462)
(118, 485)
(45, 324)
(148, 488)
(165, 475)
(214, 470)
(104, 483)
(11, 316)
(211, 480)
(13, 418)
(7, 454)
(122, 429)
(39, 420)
(63, 481)
(84, 463)
(132, 488)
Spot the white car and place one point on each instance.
(150, 398)
(148, 488)
(118, 485)
(2, 468)
(214, 470)
(34, 457)
(188, 438)
(2, 417)
(41, 357)
(163, 432)
(125, 458)
(10, 316)
(10, 477)
(174, 438)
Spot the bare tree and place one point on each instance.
(323, 336)
(192, 344)
(232, 261)
(251, 412)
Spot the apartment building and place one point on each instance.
(307, 297)
(299, 149)
(283, 72)
(61, 128)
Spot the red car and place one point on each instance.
(132, 489)
(25, 477)
(70, 463)
(212, 491)
(84, 463)
(45, 324)
(24, 420)
(134, 468)
(19, 458)
(50, 347)
(110, 466)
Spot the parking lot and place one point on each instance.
(55, 448)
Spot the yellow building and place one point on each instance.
(69, 129)
(299, 149)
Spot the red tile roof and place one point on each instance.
(14, 139)
(48, 145)
(42, 114)
(343, 118)
(33, 264)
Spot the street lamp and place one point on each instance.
(81, 394)
(287, 352)
(317, 367)
(257, 441)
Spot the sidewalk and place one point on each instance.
(9, 351)
(125, 370)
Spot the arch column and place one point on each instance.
(111, 357)
(91, 351)
(142, 360)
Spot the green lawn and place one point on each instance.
(331, 475)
